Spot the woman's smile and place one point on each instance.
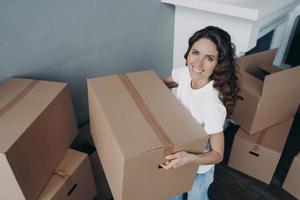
(198, 70)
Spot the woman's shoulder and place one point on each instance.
(212, 101)
(212, 95)
(214, 111)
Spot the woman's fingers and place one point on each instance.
(173, 156)
(175, 160)
(164, 166)
(169, 164)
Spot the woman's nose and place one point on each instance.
(199, 62)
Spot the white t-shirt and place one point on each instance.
(204, 105)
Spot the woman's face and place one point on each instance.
(202, 59)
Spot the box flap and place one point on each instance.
(272, 138)
(251, 84)
(258, 72)
(264, 58)
(131, 130)
(279, 82)
(21, 102)
(271, 68)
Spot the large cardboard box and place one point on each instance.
(135, 122)
(270, 95)
(292, 180)
(258, 155)
(37, 126)
(72, 180)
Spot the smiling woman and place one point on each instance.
(201, 61)
(208, 87)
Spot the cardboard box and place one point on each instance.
(258, 155)
(37, 126)
(292, 180)
(72, 180)
(270, 95)
(135, 122)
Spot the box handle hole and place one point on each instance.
(253, 153)
(72, 189)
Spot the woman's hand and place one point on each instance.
(177, 160)
(214, 156)
(169, 82)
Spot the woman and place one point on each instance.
(208, 87)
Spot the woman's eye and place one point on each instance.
(195, 52)
(210, 59)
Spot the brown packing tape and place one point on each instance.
(18, 97)
(69, 182)
(148, 115)
(259, 140)
(62, 174)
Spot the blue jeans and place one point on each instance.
(200, 187)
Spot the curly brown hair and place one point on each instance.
(225, 75)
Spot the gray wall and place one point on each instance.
(71, 40)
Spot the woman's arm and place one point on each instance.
(169, 81)
(214, 156)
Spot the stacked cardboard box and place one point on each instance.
(292, 180)
(72, 180)
(257, 155)
(135, 122)
(37, 126)
(270, 94)
(265, 114)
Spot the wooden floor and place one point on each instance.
(230, 184)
